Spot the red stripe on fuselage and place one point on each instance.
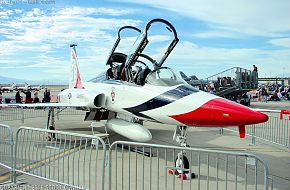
(220, 112)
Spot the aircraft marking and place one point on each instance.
(113, 95)
(162, 100)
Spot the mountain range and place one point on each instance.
(8, 80)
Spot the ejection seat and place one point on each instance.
(117, 63)
(140, 80)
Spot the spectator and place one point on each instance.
(255, 76)
(28, 98)
(211, 90)
(18, 97)
(275, 96)
(36, 98)
(280, 96)
(265, 95)
(255, 69)
(46, 95)
(1, 97)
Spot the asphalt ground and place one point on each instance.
(278, 158)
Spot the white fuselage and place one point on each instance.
(174, 105)
(120, 95)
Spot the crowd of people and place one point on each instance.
(28, 97)
(35, 99)
(273, 92)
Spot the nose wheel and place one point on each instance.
(181, 169)
(180, 135)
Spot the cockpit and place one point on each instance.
(136, 66)
(164, 76)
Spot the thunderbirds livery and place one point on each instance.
(137, 88)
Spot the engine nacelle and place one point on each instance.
(83, 98)
(133, 131)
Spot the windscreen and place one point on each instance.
(164, 77)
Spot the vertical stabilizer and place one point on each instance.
(76, 81)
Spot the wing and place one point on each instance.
(49, 105)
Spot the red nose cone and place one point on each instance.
(221, 112)
(260, 117)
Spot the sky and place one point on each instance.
(214, 35)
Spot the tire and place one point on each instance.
(182, 163)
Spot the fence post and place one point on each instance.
(253, 134)
(13, 174)
(22, 115)
(221, 131)
(287, 129)
(6, 147)
(15, 142)
(288, 140)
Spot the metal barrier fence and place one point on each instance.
(6, 153)
(12, 113)
(70, 159)
(145, 166)
(275, 131)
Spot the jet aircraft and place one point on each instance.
(8, 88)
(36, 87)
(26, 87)
(124, 97)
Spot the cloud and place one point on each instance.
(95, 11)
(159, 38)
(5, 14)
(18, 11)
(217, 34)
(284, 42)
(258, 18)
(205, 61)
(39, 39)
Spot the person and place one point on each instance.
(265, 95)
(46, 95)
(28, 98)
(238, 77)
(1, 97)
(255, 68)
(18, 97)
(255, 76)
(211, 90)
(36, 98)
(275, 95)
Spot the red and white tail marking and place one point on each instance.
(76, 81)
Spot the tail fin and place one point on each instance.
(76, 81)
(184, 77)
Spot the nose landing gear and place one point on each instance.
(181, 169)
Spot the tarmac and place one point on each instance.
(277, 158)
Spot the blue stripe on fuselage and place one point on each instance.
(163, 99)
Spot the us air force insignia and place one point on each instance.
(113, 95)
